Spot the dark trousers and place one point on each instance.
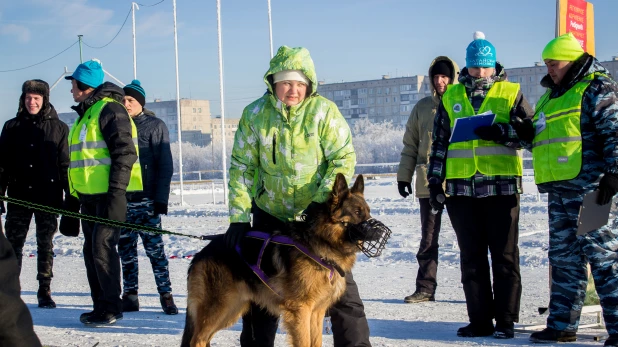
(427, 256)
(15, 320)
(482, 224)
(17, 224)
(350, 327)
(101, 258)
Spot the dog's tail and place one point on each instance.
(187, 335)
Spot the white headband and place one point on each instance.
(290, 75)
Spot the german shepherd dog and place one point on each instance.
(221, 286)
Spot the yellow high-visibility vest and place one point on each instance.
(557, 145)
(465, 158)
(90, 159)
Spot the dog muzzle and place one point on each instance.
(371, 236)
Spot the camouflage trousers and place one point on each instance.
(569, 255)
(17, 224)
(142, 213)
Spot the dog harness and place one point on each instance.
(286, 241)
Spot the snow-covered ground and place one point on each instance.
(383, 282)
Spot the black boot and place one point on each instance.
(504, 330)
(419, 297)
(612, 340)
(167, 303)
(476, 330)
(130, 302)
(44, 297)
(98, 318)
(549, 335)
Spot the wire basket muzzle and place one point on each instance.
(371, 235)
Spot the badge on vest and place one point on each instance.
(457, 108)
(541, 123)
(82, 134)
(563, 160)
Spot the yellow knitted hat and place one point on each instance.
(564, 47)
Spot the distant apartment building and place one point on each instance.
(229, 128)
(392, 99)
(385, 99)
(195, 118)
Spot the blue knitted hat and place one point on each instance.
(89, 73)
(480, 52)
(135, 90)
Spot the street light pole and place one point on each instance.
(182, 200)
(270, 30)
(224, 168)
(134, 6)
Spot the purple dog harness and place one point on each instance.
(286, 241)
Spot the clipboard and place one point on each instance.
(463, 130)
(592, 216)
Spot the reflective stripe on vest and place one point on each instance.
(557, 154)
(464, 159)
(90, 159)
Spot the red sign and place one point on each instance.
(577, 17)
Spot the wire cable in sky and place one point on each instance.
(115, 36)
(39, 63)
(150, 5)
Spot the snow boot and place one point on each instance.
(102, 318)
(167, 303)
(549, 335)
(130, 302)
(44, 297)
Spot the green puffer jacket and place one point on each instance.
(296, 151)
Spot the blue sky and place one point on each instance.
(348, 40)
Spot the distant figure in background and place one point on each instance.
(443, 71)
(15, 320)
(574, 141)
(103, 144)
(483, 183)
(35, 160)
(146, 207)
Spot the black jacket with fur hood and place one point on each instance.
(35, 157)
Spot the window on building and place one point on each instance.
(371, 101)
(372, 110)
(405, 87)
(387, 90)
(395, 89)
(395, 99)
(362, 101)
(405, 97)
(199, 110)
(370, 90)
(194, 110)
(379, 101)
(362, 91)
(378, 90)
(395, 109)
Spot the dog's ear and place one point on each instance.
(340, 188)
(359, 185)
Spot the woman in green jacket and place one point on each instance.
(289, 146)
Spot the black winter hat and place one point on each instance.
(36, 86)
(442, 68)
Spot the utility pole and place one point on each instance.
(134, 6)
(79, 37)
(557, 18)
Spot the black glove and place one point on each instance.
(608, 187)
(160, 208)
(524, 128)
(311, 211)
(401, 185)
(69, 226)
(235, 233)
(436, 197)
(489, 132)
(2, 208)
(116, 205)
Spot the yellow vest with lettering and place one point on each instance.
(90, 159)
(465, 158)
